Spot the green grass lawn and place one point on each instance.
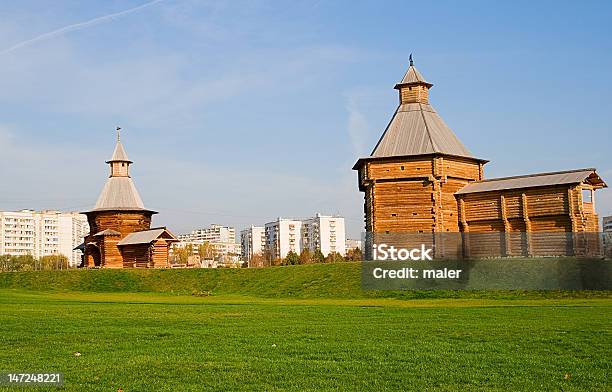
(248, 338)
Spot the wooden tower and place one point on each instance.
(411, 177)
(120, 226)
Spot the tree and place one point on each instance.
(292, 258)
(354, 255)
(268, 258)
(334, 257)
(206, 251)
(305, 257)
(257, 261)
(53, 262)
(181, 253)
(318, 256)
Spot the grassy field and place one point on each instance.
(313, 330)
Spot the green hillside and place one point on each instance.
(341, 280)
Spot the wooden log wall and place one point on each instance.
(414, 94)
(160, 254)
(546, 216)
(137, 255)
(111, 256)
(124, 222)
(415, 194)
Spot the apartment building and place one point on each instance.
(607, 224)
(253, 241)
(283, 236)
(322, 232)
(214, 233)
(42, 233)
(325, 233)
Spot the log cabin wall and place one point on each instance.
(124, 222)
(136, 255)
(160, 254)
(535, 221)
(415, 194)
(110, 252)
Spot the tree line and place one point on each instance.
(12, 263)
(266, 259)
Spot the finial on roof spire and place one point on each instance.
(411, 62)
(118, 134)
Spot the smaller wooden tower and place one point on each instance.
(415, 169)
(120, 226)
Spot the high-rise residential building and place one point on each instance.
(283, 236)
(324, 233)
(42, 233)
(253, 241)
(607, 224)
(214, 233)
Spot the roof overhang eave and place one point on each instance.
(360, 161)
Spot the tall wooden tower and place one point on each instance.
(120, 226)
(415, 169)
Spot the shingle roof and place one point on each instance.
(146, 236)
(534, 180)
(119, 154)
(119, 193)
(412, 76)
(107, 232)
(417, 129)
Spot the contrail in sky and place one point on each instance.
(77, 26)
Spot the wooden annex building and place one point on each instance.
(120, 226)
(420, 178)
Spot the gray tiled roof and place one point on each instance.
(146, 236)
(417, 129)
(119, 193)
(534, 180)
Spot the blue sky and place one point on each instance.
(237, 112)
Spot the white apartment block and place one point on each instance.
(42, 233)
(253, 241)
(283, 236)
(325, 233)
(215, 233)
(607, 224)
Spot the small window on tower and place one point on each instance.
(587, 196)
(393, 214)
(401, 167)
(122, 164)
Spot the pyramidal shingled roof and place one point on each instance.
(119, 154)
(412, 76)
(417, 129)
(119, 193)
